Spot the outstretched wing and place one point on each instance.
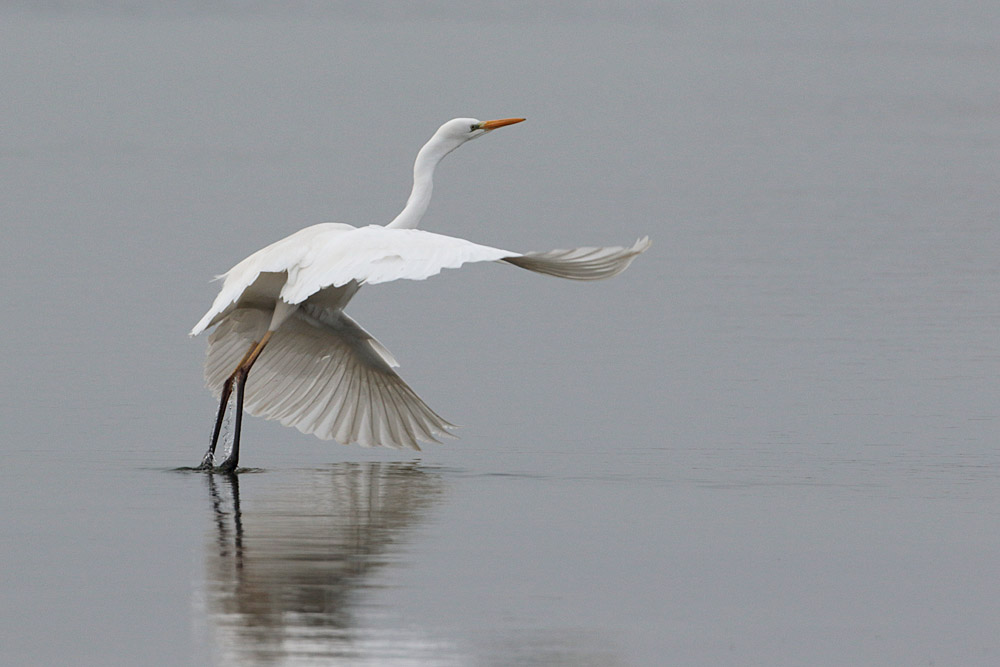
(375, 254)
(323, 374)
(336, 255)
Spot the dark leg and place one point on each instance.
(229, 465)
(227, 390)
(209, 458)
(240, 376)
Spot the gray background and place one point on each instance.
(771, 441)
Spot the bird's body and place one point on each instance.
(280, 310)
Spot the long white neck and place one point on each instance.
(423, 183)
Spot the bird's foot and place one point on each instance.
(207, 462)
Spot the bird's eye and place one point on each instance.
(473, 127)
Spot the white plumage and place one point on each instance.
(280, 310)
(325, 375)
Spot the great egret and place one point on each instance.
(282, 308)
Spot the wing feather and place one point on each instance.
(581, 263)
(336, 255)
(374, 254)
(248, 279)
(322, 373)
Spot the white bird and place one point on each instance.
(281, 311)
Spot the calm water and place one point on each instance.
(772, 441)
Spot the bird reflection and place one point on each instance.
(286, 572)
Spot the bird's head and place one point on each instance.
(457, 131)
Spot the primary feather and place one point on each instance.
(581, 263)
(323, 374)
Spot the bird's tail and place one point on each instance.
(581, 263)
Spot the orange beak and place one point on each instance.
(494, 124)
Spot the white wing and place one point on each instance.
(375, 254)
(323, 374)
(581, 263)
(258, 279)
(336, 255)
